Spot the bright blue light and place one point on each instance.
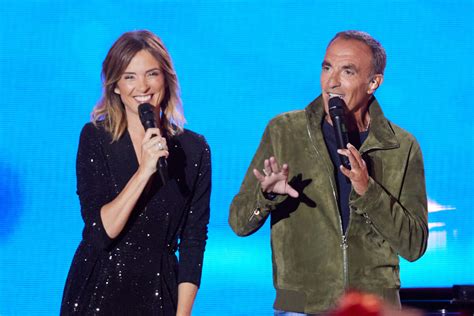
(239, 63)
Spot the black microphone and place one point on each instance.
(336, 111)
(146, 111)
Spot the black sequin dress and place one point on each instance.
(138, 272)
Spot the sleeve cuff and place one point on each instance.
(264, 203)
(362, 203)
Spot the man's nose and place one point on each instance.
(334, 80)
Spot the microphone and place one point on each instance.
(336, 111)
(147, 117)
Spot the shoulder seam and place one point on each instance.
(281, 115)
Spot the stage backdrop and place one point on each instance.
(239, 63)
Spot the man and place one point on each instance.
(334, 228)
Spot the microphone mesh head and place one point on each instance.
(336, 106)
(146, 112)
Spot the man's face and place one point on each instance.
(346, 72)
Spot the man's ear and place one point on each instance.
(375, 83)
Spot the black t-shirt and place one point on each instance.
(342, 183)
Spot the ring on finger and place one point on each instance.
(160, 146)
(265, 172)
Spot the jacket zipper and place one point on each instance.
(344, 244)
(344, 260)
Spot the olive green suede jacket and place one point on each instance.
(313, 261)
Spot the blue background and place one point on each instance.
(239, 64)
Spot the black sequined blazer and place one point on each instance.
(138, 272)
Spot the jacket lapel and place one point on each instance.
(381, 135)
(122, 160)
(315, 115)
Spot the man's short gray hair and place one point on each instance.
(379, 57)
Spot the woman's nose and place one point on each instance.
(142, 84)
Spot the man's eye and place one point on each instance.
(349, 72)
(325, 68)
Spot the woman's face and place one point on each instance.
(141, 82)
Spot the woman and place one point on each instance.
(134, 223)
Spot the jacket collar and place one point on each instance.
(381, 134)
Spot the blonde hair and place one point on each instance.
(110, 111)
